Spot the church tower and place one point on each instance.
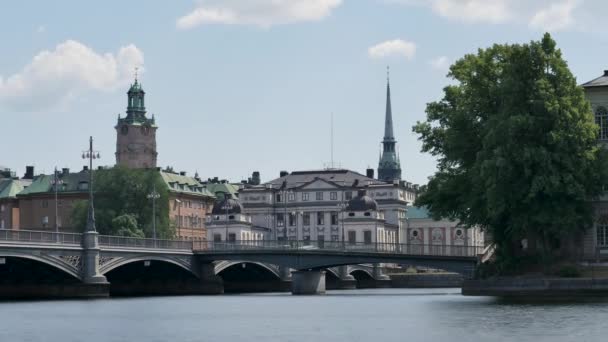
(135, 133)
(389, 167)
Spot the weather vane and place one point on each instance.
(136, 69)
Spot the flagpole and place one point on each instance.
(56, 208)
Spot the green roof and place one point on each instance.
(219, 189)
(9, 188)
(71, 182)
(184, 184)
(417, 213)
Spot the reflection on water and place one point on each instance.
(357, 315)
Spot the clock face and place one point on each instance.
(124, 129)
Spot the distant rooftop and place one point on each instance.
(601, 81)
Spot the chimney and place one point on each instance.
(29, 172)
(65, 171)
(182, 173)
(283, 173)
(85, 168)
(255, 178)
(605, 72)
(369, 173)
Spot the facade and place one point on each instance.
(189, 204)
(423, 231)
(10, 186)
(364, 223)
(310, 205)
(595, 240)
(389, 166)
(135, 133)
(230, 223)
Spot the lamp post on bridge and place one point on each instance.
(154, 195)
(91, 154)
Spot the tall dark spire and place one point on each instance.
(388, 120)
(389, 167)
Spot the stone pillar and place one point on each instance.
(308, 282)
(210, 283)
(346, 281)
(90, 259)
(381, 279)
(286, 279)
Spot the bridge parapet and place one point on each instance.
(40, 237)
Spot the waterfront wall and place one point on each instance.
(426, 280)
(536, 287)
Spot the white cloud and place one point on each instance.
(441, 63)
(397, 47)
(263, 13)
(53, 77)
(556, 17)
(492, 11)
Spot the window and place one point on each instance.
(279, 198)
(83, 186)
(333, 195)
(367, 237)
(231, 217)
(280, 220)
(306, 238)
(352, 237)
(602, 234)
(217, 237)
(348, 195)
(367, 214)
(601, 119)
(1, 208)
(319, 196)
(305, 196)
(231, 237)
(320, 218)
(334, 238)
(334, 218)
(292, 219)
(306, 219)
(291, 196)
(351, 214)
(321, 240)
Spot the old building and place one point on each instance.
(10, 186)
(595, 240)
(230, 223)
(135, 133)
(189, 204)
(364, 224)
(309, 205)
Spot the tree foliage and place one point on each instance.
(122, 205)
(516, 145)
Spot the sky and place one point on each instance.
(238, 86)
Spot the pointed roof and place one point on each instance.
(601, 81)
(388, 120)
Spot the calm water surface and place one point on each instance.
(358, 315)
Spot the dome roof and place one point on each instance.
(228, 205)
(362, 202)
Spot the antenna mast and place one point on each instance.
(332, 140)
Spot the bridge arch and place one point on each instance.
(110, 264)
(249, 276)
(223, 265)
(69, 265)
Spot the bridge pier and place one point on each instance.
(286, 278)
(94, 283)
(210, 283)
(307, 282)
(345, 281)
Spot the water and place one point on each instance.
(358, 315)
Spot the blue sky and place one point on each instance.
(245, 85)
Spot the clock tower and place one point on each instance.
(135, 133)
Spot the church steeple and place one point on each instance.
(136, 109)
(389, 167)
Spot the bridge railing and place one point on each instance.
(40, 237)
(129, 242)
(359, 247)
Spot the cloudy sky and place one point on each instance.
(245, 85)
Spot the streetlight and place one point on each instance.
(56, 182)
(154, 196)
(91, 154)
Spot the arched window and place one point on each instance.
(601, 119)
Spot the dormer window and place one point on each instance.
(83, 186)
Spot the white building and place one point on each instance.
(229, 222)
(312, 205)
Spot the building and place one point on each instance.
(310, 205)
(389, 166)
(230, 223)
(423, 231)
(595, 240)
(365, 225)
(135, 133)
(10, 186)
(189, 204)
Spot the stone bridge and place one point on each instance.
(44, 264)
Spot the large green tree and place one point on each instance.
(122, 206)
(516, 145)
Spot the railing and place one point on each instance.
(129, 242)
(32, 236)
(360, 247)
